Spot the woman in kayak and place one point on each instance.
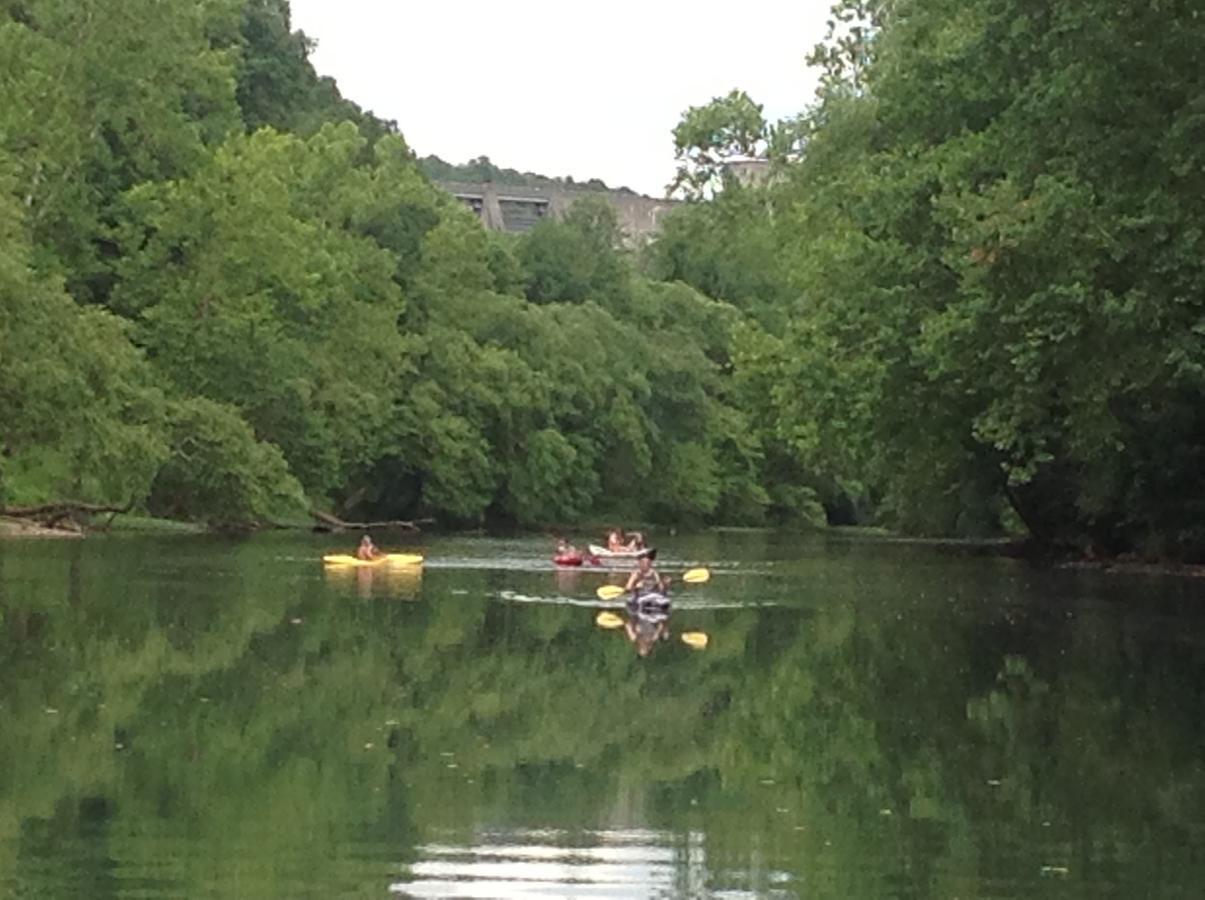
(645, 579)
(367, 550)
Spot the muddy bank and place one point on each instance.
(22, 528)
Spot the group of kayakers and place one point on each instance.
(618, 544)
(648, 590)
(644, 578)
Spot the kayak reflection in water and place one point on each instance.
(648, 622)
(367, 550)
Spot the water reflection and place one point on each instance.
(611, 863)
(384, 582)
(213, 718)
(647, 622)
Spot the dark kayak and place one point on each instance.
(650, 605)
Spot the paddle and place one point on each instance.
(614, 592)
(696, 640)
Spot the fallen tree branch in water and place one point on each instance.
(56, 509)
(58, 515)
(337, 524)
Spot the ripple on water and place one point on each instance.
(610, 863)
(679, 603)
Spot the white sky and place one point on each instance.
(575, 87)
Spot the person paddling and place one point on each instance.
(367, 550)
(645, 579)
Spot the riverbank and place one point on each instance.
(20, 528)
(11, 527)
(1011, 547)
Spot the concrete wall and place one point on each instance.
(749, 172)
(517, 209)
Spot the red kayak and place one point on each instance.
(575, 559)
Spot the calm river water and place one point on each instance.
(192, 717)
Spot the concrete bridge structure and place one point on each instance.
(503, 207)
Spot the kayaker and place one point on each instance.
(636, 541)
(645, 579)
(616, 542)
(367, 550)
(567, 554)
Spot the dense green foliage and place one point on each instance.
(992, 253)
(230, 293)
(967, 299)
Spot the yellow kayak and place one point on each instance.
(394, 559)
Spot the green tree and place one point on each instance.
(81, 417)
(219, 473)
(252, 292)
(101, 95)
(726, 128)
(578, 258)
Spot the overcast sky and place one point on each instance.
(561, 87)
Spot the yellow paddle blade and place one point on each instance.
(697, 576)
(695, 639)
(608, 620)
(610, 592)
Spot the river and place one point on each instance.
(197, 716)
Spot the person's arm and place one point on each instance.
(631, 585)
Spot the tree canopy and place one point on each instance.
(966, 300)
(233, 293)
(990, 248)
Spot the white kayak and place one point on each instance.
(604, 553)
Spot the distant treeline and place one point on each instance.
(482, 169)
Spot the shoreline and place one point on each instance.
(1003, 548)
(21, 528)
(18, 528)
